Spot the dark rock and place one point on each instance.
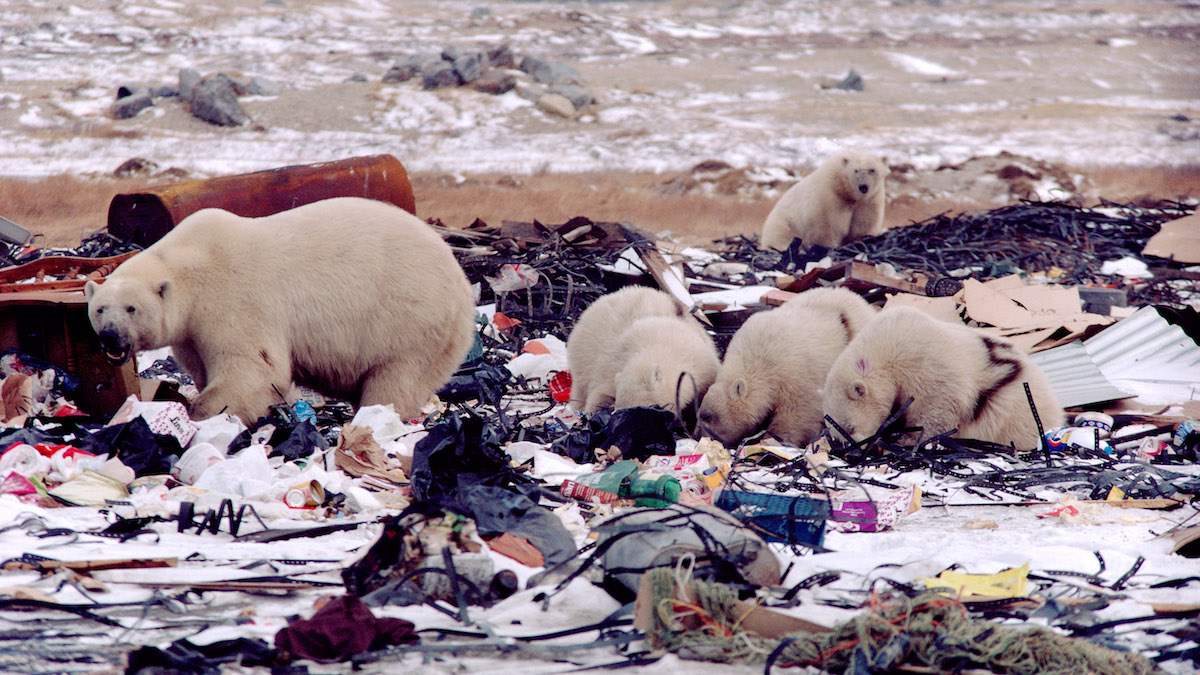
(215, 102)
(164, 91)
(1015, 171)
(501, 57)
(450, 53)
(852, 82)
(127, 90)
(440, 77)
(124, 108)
(531, 63)
(188, 79)
(135, 167)
(238, 88)
(403, 71)
(480, 12)
(495, 82)
(359, 77)
(470, 66)
(261, 86)
(577, 95)
(550, 72)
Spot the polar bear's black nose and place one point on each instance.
(109, 340)
(864, 188)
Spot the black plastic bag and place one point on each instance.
(485, 383)
(184, 657)
(139, 448)
(637, 432)
(459, 452)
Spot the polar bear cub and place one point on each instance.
(668, 361)
(618, 358)
(958, 377)
(842, 200)
(356, 298)
(775, 365)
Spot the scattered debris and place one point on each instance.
(501, 519)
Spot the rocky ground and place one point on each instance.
(679, 103)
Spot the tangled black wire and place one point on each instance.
(1029, 236)
(569, 280)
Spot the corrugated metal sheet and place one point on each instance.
(1141, 355)
(1075, 377)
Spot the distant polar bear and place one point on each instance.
(842, 200)
(599, 326)
(775, 365)
(667, 361)
(958, 377)
(354, 297)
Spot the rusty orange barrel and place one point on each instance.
(144, 217)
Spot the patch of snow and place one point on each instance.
(916, 64)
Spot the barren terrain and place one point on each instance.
(703, 111)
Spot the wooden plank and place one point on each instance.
(232, 585)
(93, 565)
(669, 280)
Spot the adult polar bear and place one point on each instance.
(841, 201)
(353, 297)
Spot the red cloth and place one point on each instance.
(341, 629)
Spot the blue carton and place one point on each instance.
(782, 518)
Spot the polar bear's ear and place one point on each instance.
(738, 388)
(89, 289)
(163, 288)
(856, 390)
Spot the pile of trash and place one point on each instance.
(502, 524)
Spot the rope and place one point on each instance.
(929, 630)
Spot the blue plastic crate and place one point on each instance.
(782, 518)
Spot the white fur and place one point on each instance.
(946, 369)
(842, 200)
(775, 365)
(597, 330)
(652, 354)
(849, 306)
(354, 297)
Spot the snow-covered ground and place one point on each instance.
(676, 82)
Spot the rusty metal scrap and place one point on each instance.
(144, 217)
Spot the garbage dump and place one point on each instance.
(504, 528)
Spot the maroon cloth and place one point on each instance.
(342, 628)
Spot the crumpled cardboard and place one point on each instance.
(1177, 240)
(358, 454)
(1032, 317)
(17, 395)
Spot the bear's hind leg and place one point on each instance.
(404, 385)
